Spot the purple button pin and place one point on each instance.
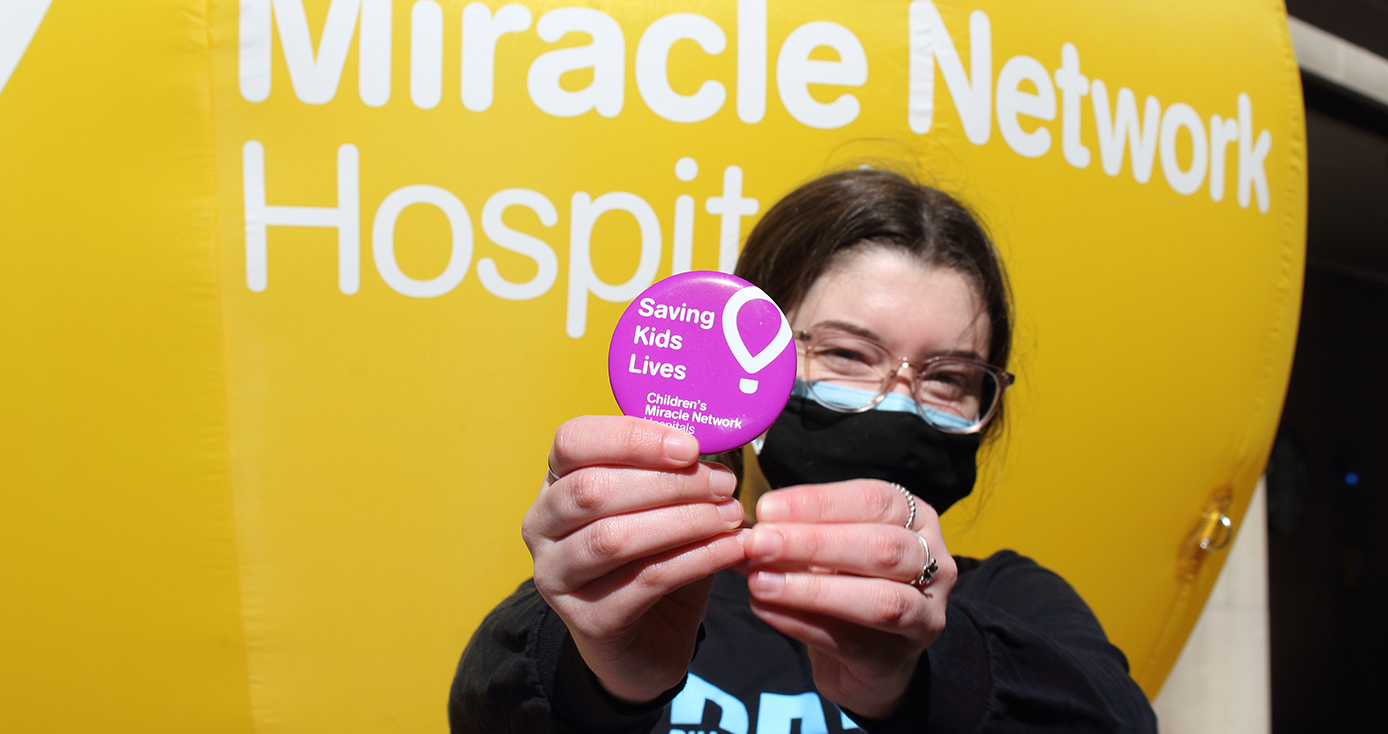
(704, 352)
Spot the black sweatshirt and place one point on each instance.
(1020, 652)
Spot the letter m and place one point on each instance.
(315, 74)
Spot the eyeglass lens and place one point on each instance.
(955, 387)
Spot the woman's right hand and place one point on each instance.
(626, 543)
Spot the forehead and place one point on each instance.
(917, 310)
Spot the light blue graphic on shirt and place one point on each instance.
(775, 712)
(688, 706)
(830, 394)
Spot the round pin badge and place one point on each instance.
(707, 353)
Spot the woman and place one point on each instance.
(852, 614)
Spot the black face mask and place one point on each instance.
(811, 444)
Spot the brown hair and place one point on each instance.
(802, 235)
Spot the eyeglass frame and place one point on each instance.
(1003, 378)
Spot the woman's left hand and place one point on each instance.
(831, 565)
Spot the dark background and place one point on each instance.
(1328, 476)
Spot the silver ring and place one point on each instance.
(553, 476)
(928, 570)
(910, 507)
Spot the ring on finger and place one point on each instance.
(910, 507)
(928, 568)
(553, 475)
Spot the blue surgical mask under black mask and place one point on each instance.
(812, 444)
(829, 394)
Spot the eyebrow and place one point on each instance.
(866, 333)
(851, 328)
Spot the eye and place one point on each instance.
(952, 382)
(844, 354)
(844, 358)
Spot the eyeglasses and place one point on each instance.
(851, 373)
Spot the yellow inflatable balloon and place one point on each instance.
(294, 292)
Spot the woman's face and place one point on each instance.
(916, 310)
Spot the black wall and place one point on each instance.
(1328, 477)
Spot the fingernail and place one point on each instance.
(771, 508)
(766, 582)
(722, 483)
(681, 447)
(765, 543)
(731, 512)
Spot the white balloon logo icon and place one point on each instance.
(752, 364)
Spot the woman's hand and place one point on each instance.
(625, 543)
(831, 565)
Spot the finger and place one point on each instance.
(887, 606)
(865, 549)
(594, 492)
(615, 439)
(632, 590)
(833, 637)
(605, 545)
(857, 500)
